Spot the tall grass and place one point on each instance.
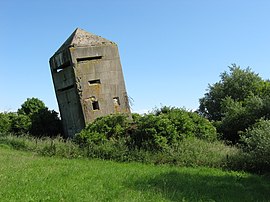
(44, 146)
(189, 152)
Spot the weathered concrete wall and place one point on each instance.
(88, 80)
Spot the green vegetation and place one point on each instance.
(32, 118)
(256, 144)
(158, 131)
(28, 177)
(236, 102)
(188, 156)
(192, 151)
(166, 136)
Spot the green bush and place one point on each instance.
(157, 131)
(104, 128)
(256, 143)
(188, 124)
(14, 123)
(5, 123)
(154, 133)
(20, 123)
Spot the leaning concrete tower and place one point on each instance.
(88, 80)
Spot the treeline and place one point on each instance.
(32, 118)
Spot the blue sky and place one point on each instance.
(170, 50)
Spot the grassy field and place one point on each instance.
(25, 176)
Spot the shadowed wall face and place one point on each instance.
(88, 80)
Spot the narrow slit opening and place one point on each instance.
(96, 81)
(89, 58)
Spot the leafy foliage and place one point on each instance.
(31, 106)
(157, 131)
(188, 124)
(256, 142)
(45, 122)
(154, 133)
(105, 128)
(236, 102)
(20, 123)
(34, 118)
(5, 123)
(237, 84)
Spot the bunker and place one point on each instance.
(88, 80)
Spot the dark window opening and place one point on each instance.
(96, 81)
(63, 66)
(89, 58)
(116, 101)
(95, 105)
(66, 88)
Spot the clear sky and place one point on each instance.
(170, 50)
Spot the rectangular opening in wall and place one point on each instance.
(89, 58)
(116, 101)
(95, 105)
(96, 81)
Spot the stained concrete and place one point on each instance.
(88, 80)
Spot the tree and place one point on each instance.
(5, 123)
(31, 106)
(45, 122)
(236, 102)
(238, 84)
(20, 123)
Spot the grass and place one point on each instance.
(191, 152)
(25, 176)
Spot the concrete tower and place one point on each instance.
(88, 80)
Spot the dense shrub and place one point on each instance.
(5, 123)
(20, 123)
(239, 115)
(104, 128)
(188, 124)
(154, 133)
(256, 143)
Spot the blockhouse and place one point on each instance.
(88, 80)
